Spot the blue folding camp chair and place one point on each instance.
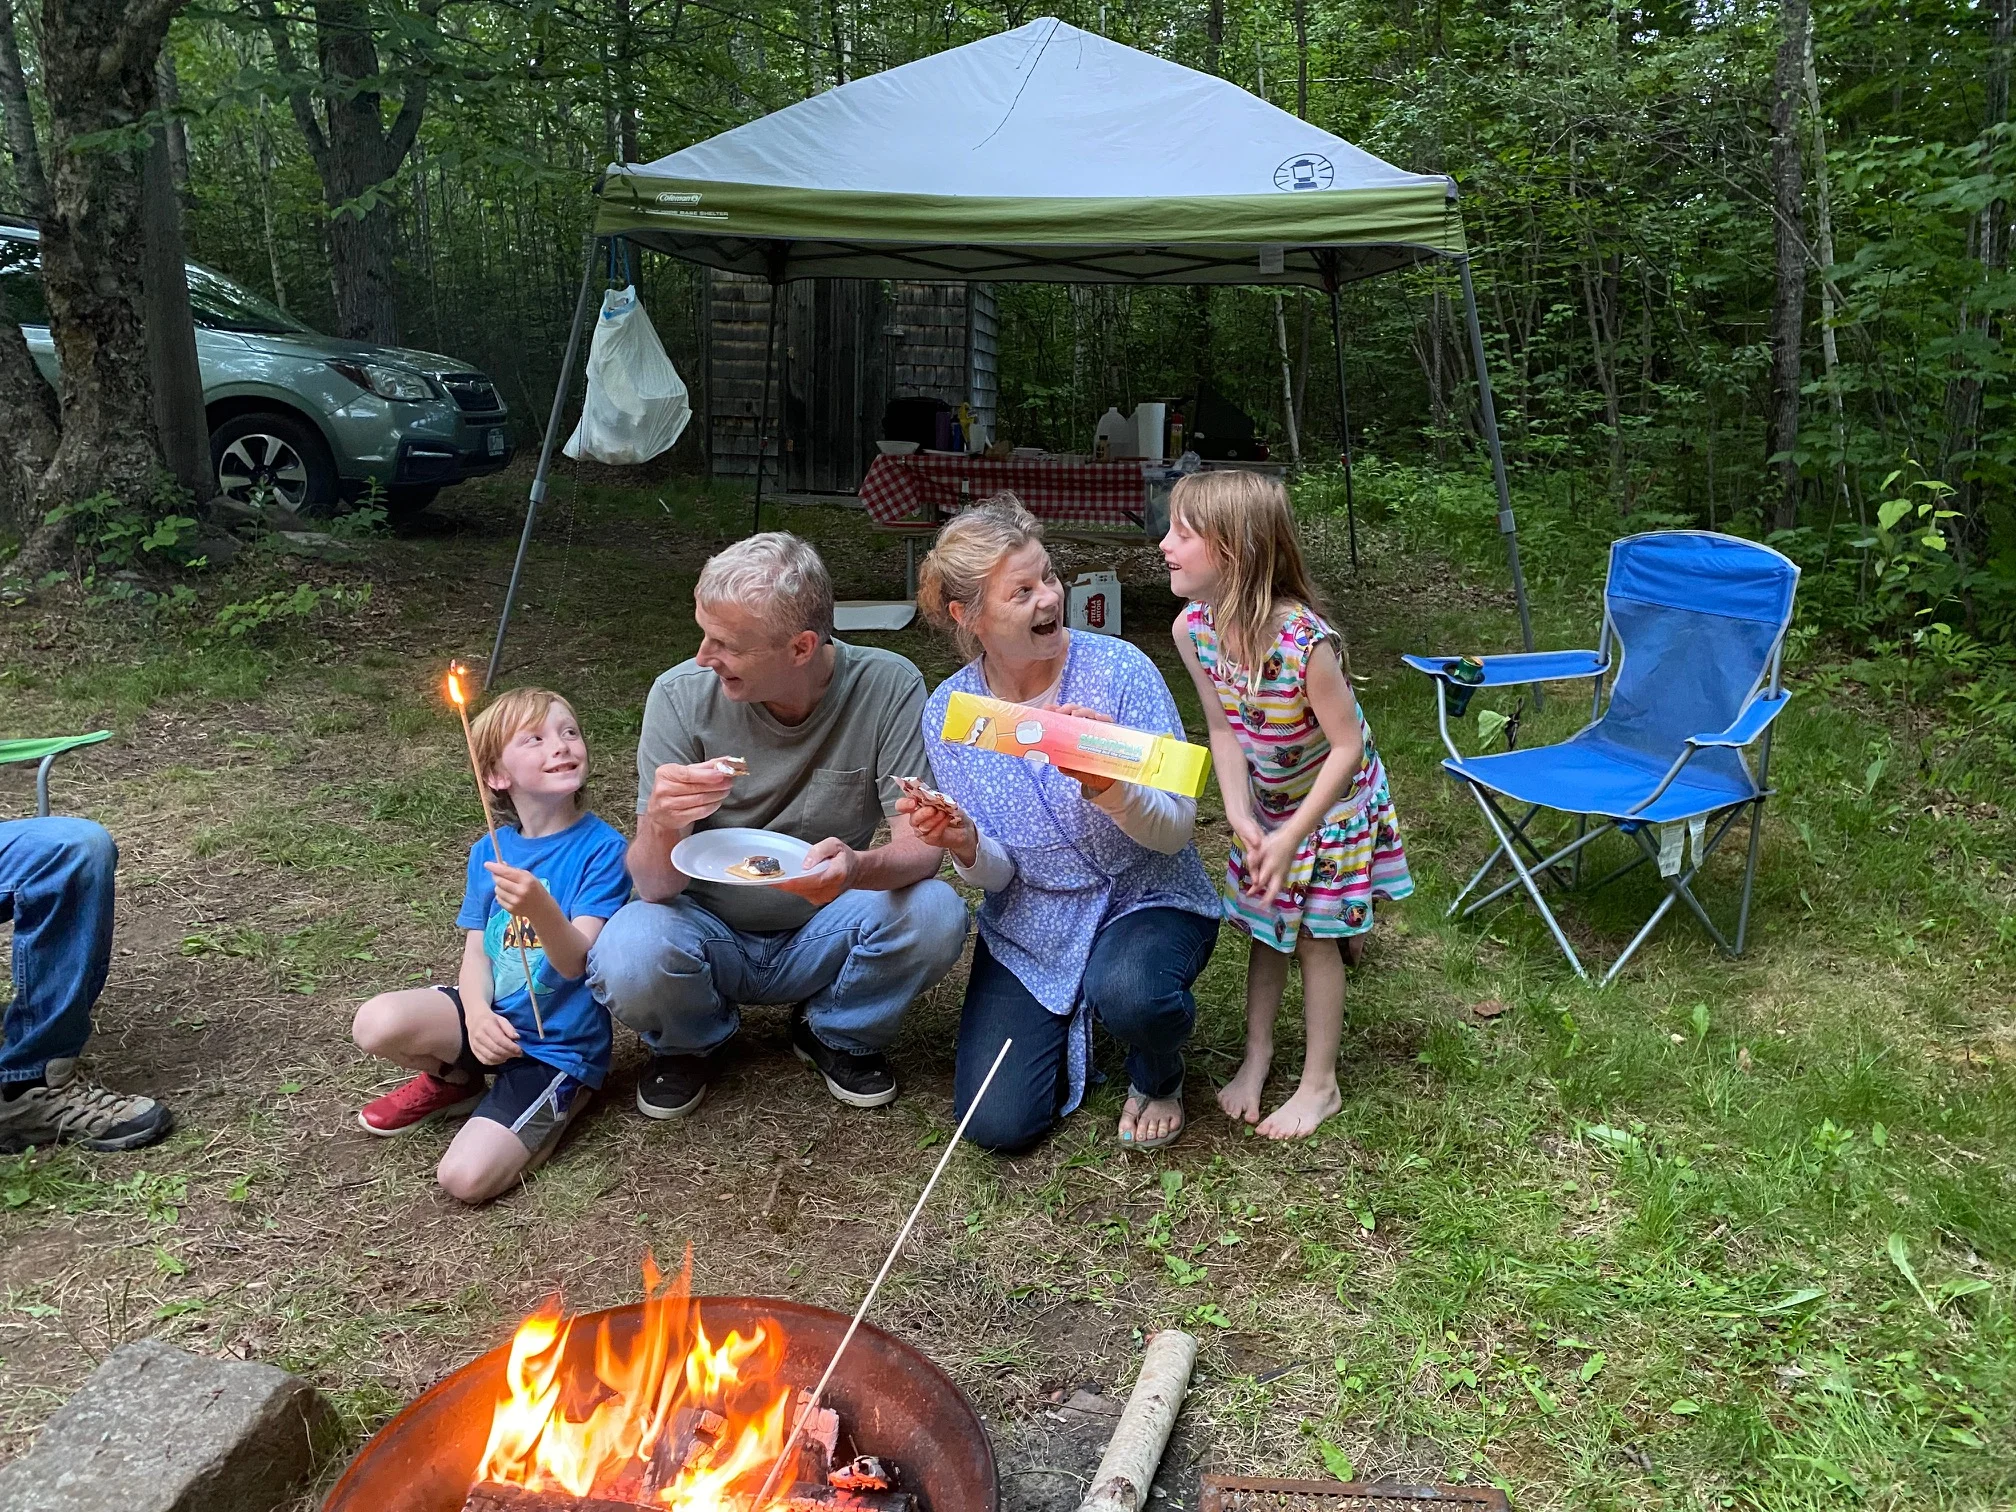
(1699, 621)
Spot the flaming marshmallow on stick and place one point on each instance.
(456, 672)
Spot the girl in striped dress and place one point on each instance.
(1315, 837)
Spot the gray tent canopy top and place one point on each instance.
(1042, 154)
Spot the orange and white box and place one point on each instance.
(1073, 744)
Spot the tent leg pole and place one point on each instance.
(1344, 423)
(545, 468)
(763, 408)
(1506, 525)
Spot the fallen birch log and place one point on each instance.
(1121, 1482)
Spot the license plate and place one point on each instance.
(495, 443)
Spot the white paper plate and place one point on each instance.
(707, 855)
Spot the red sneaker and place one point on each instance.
(420, 1101)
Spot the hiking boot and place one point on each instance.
(419, 1101)
(673, 1085)
(80, 1113)
(860, 1081)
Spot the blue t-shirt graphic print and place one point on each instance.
(582, 867)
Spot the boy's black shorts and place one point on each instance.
(530, 1098)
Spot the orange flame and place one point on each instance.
(558, 1428)
(455, 671)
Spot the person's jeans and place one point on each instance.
(674, 971)
(56, 885)
(1137, 983)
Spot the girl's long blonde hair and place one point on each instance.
(965, 555)
(1245, 519)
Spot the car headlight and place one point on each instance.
(387, 382)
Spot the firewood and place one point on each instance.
(692, 1432)
(1120, 1484)
(488, 1496)
(819, 1442)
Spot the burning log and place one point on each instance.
(864, 1484)
(490, 1497)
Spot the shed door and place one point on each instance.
(835, 382)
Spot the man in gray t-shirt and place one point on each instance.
(826, 729)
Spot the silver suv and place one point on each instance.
(306, 419)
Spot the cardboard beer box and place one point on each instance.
(1077, 745)
(1092, 603)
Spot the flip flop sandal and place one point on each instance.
(1136, 1095)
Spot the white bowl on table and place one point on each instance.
(896, 448)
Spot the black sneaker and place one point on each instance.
(860, 1081)
(673, 1085)
(81, 1113)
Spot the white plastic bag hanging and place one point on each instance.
(637, 404)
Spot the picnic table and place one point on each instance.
(924, 488)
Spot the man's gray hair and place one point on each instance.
(774, 573)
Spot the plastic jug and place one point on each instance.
(1115, 436)
(1148, 423)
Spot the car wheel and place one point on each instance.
(274, 456)
(404, 502)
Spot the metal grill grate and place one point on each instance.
(1240, 1493)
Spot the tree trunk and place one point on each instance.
(170, 85)
(356, 155)
(1302, 58)
(1988, 241)
(1788, 303)
(171, 333)
(30, 182)
(98, 60)
(1287, 384)
(1823, 230)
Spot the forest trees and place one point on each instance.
(1788, 235)
(1706, 236)
(356, 153)
(98, 81)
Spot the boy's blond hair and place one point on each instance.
(494, 728)
(1245, 519)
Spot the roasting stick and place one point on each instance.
(456, 672)
(819, 1391)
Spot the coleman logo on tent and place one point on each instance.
(678, 199)
(1309, 171)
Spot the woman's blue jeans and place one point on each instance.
(1137, 982)
(56, 885)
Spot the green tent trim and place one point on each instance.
(1312, 239)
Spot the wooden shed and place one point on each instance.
(846, 347)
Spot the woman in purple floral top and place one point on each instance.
(1097, 905)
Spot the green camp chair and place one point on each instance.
(12, 752)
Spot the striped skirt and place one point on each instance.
(1353, 858)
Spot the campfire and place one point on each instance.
(671, 1419)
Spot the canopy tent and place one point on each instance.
(1047, 154)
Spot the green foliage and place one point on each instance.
(269, 614)
(113, 535)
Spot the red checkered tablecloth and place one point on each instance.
(918, 489)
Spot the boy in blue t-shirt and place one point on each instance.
(561, 878)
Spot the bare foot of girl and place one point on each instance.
(1147, 1123)
(1300, 1116)
(1240, 1097)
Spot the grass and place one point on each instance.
(1725, 1234)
